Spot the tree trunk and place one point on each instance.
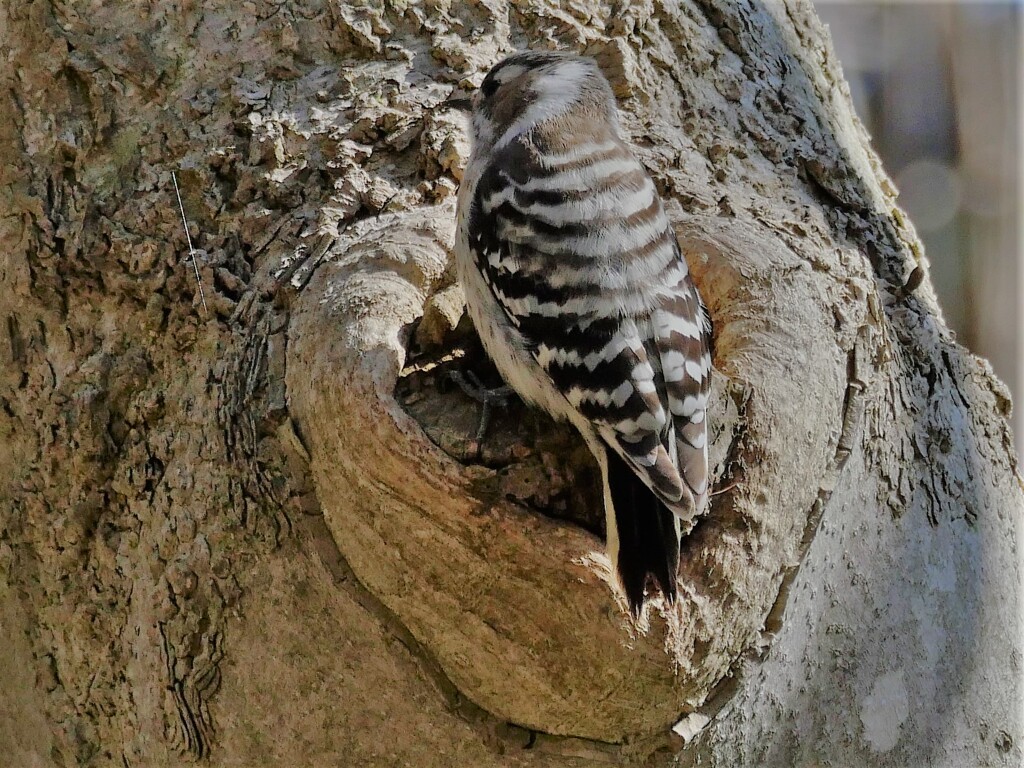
(253, 525)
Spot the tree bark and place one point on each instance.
(252, 526)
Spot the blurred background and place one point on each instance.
(938, 86)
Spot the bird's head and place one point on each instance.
(533, 87)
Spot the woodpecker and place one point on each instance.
(581, 296)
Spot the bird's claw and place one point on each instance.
(487, 397)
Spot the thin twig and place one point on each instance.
(720, 491)
(188, 237)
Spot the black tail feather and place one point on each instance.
(647, 532)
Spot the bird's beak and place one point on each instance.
(460, 101)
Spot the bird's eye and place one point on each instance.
(489, 86)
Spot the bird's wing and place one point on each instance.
(579, 253)
(682, 332)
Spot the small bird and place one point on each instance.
(581, 296)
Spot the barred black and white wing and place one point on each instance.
(575, 246)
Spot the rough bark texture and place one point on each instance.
(225, 536)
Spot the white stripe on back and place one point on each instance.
(622, 273)
(577, 153)
(585, 306)
(622, 201)
(583, 178)
(607, 241)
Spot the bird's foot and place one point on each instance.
(487, 397)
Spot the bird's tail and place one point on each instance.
(643, 534)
